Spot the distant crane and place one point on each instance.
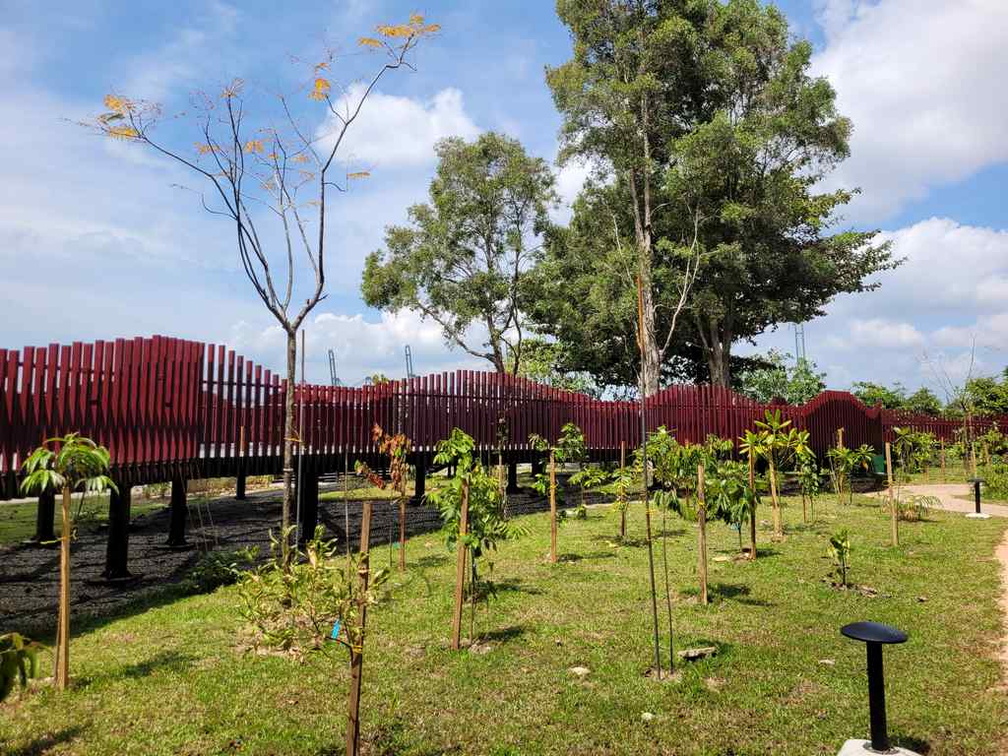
(332, 369)
(409, 362)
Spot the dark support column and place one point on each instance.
(309, 504)
(44, 518)
(240, 487)
(117, 553)
(537, 465)
(178, 512)
(421, 479)
(512, 484)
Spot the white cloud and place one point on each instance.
(190, 52)
(884, 334)
(399, 131)
(923, 82)
(362, 347)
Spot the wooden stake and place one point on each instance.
(623, 503)
(701, 534)
(553, 507)
(943, 472)
(63, 622)
(461, 551)
(752, 515)
(402, 531)
(893, 515)
(357, 655)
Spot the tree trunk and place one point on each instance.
(701, 535)
(717, 344)
(288, 452)
(651, 356)
(63, 626)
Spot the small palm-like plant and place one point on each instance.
(779, 444)
(839, 551)
(18, 662)
(67, 464)
(843, 463)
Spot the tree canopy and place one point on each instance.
(464, 258)
(724, 132)
(795, 383)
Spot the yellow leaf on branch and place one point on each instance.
(123, 132)
(254, 145)
(321, 89)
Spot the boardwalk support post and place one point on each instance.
(420, 482)
(309, 504)
(117, 552)
(512, 478)
(46, 515)
(178, 512)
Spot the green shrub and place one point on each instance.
(219, 568)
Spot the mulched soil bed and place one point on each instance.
(29, 575)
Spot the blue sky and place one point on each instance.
(97, 241)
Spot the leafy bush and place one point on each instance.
(316, 598)
(839, 551)
(219, 568)
(997, 481)
(18, 661)
(914, 508)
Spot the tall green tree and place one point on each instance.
(734, 142)
(795, 383)
(633, 85)
(464, 258)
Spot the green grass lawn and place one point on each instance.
(173, 678)
(17, 518)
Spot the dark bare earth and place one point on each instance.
(29, 575)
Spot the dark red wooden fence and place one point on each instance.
(164, 406)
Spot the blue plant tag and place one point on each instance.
(335, 631)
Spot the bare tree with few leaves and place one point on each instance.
(272, 173)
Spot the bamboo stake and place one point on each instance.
(553, 507)
(460, 566)
(622, 464)
(894, 519)
(63, 623)
(702, 535)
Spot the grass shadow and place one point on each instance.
(504, 634)
(513, 585)
(47, 742)
(431, 560)
(911, 743)
(160, 660)
(630, 543)
(591, 555)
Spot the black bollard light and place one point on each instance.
(976, 491)
(875, 635)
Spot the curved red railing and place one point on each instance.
(162, 403)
